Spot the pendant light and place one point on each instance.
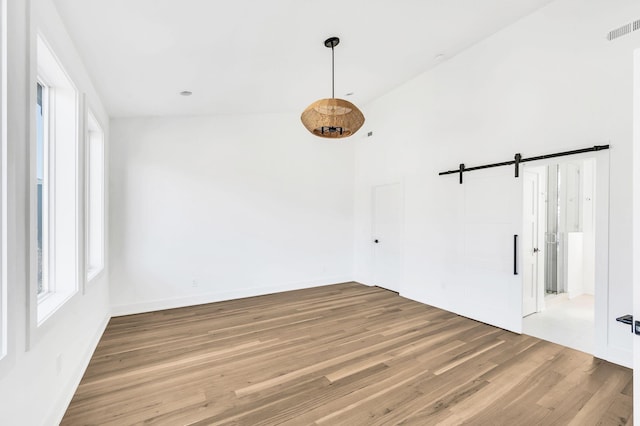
(333, 117)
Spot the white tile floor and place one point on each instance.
(568, 322)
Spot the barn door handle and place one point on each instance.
(515, 254)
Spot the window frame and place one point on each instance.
(46, 219)
(94, 248)
(63, 170)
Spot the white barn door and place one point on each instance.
(489, 247)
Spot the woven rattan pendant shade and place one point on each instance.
(332, 117)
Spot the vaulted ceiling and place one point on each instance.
(257, 56)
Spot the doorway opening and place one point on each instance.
(559, 252)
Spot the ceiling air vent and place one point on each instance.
(624, 30)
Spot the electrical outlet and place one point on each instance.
(194, 283)
(59, 363)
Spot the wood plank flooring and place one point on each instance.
(345, 354)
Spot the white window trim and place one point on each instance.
(51, 72)
(47, 218)
(94, 128)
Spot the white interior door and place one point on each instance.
(388, 235)
(489, 240)
(530, 244)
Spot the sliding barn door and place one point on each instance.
(489, 247)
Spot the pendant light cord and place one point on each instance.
(333, 75)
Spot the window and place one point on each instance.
(42, 193)
(95, 198)
(56, 185)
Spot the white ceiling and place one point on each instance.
(258, 56)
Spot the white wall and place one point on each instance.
(37, 384)
(242, 205)
(547, 83)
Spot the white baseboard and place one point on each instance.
(66, 394)
(200, 299)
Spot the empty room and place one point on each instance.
(421, 212)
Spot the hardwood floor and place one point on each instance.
(339, 355)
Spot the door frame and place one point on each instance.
(601, 291)
(540, 171)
